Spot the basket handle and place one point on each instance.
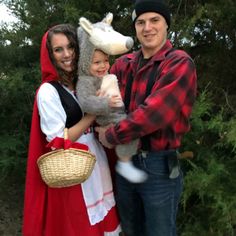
(66, 134)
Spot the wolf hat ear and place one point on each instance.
(108, 19)
(86, 25)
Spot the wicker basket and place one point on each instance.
(66, 167)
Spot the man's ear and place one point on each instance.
(86, 25)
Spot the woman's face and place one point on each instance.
(63, 52)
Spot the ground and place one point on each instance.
(11, 203)
(11, 208)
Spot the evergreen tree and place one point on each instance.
(205, 29)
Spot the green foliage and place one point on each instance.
(208, 205)
(16, 100)
(205, 29)
(230, 135)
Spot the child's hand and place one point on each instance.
(115, 101)
(101, 93)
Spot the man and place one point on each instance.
(158, 85)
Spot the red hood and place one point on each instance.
(35, 188)
(47, 68)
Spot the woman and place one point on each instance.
(82, 210)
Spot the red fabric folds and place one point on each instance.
(66, 144)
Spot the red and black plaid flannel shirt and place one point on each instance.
(165, 112)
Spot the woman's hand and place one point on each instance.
(102, 137)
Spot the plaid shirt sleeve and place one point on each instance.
(167, 107)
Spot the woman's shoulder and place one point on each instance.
(46, 91)
(46, 86)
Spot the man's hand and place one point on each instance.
(102, 138)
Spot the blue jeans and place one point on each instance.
(150, 208)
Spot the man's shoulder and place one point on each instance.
(127, 57)
(181, 52)
(124, 63)
(177, 54)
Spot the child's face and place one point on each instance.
(100, 64)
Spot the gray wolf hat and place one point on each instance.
(158, 6)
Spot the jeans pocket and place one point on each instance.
(173, 165)
(156, 165)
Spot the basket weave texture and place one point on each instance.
(66, 167)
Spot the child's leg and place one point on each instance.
(125, 166)
(126, 169)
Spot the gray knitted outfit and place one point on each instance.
(87, 87)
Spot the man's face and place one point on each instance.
(151, 31)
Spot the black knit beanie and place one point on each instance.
(158, 6)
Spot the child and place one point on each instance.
(107, 106)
